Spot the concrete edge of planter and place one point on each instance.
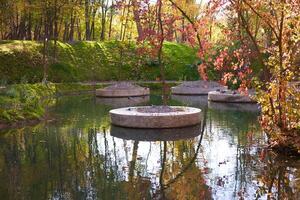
(217, 96)
(130, 117)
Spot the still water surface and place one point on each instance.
(80, 156)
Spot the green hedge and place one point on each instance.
(22, 61)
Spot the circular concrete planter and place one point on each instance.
(227, 96)
(151, 117)
(196, 88)
(122, 101)
(122, 89)
(166, 134)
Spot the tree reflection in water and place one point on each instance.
(275, 180)
(237, 131)
(77, 158)
(177, 157)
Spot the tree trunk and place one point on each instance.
(162, 37)
(45, 65)
(87, 20)
(126, 23)
(29, 27)
(55, 31)
(103, 19)
(122, 25)
(112, 9)
(71, 33)
(137, 19)
(183, 33)
(66, 32)
(78, 29)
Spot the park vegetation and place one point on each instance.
(241, 43)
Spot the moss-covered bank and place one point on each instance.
(22, 61)
(22, 103)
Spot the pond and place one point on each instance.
(80, 156)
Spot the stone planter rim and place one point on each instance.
(130, 117)
(125, 111)
(217, 96)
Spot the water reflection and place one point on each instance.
(248, 107)
(77, 158)
(278, 180)
(167, 134)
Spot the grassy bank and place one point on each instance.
(22, 61)
(26, 102)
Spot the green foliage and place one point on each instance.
(86, 61)
(62, 72)
(180, 62)
(19, 65)
(24, 101)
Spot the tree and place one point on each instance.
(275, 53)
(279, 100)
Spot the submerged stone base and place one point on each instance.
(122, 89)
(228, 96)
(155, 116)
(165, 134)
(197, 88)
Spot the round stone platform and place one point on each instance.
(122, 89)
(165, 134)
(197, 87)
(155, 116)
(228, 96)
